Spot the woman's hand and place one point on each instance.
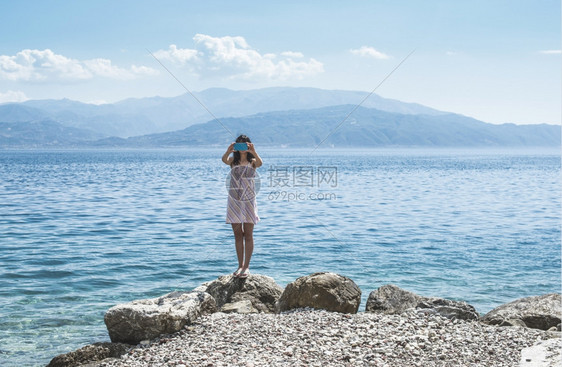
(257, 159)
(225, 157)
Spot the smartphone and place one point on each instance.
(240, 146)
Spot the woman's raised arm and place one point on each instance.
(226, 156)
(258, 162)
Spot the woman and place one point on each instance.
(242, 209)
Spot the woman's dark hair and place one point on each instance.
(242, 139)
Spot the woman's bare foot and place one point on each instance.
(244, 273)
(237, 272)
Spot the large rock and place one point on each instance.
(327, 291)
(260, 290)
(538, 312)
(148, 318)
(390, 299)
(244, 306)
(90, 353)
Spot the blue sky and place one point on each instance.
(498, 61)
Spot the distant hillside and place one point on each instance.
(133, 117)
(103, 120)
(366, 127)
(272, 116)
(45, 133)
(17, 112)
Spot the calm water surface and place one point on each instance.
(81, 231)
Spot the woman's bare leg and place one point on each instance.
(248, 243)
(239, 243)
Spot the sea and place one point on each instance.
(84, 230)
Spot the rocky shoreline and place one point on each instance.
(313, 321)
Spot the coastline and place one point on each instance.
(307, 337)
(254, 322)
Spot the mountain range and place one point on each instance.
(271, 116)
(328, 127)
(140, 116)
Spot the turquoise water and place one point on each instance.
(83, 230)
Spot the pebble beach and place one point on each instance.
(307, 337)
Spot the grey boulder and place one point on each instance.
(228, 291)
(390, 299)
(327, 291)
(89, 354)
(148, 318)
(244, 306)
(538, 312)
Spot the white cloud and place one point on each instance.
(369, 52)
(144, 70)
(13, 96)
(176, 55)
(103, 67)
(232, 57)
(45, 65)
(40, 65)
(291, 54)
(551, 52)
(451, 53)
